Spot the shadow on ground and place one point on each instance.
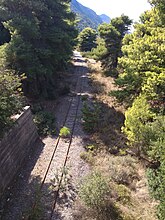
(109, 129)
(21, 193)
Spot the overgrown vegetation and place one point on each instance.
(87, 39)
(45, 122)
(65, 132)
(42, 35)
(37, 39)
(142, 89)
(94, 191)
(10, 99)
(139, 61)
(91, 116)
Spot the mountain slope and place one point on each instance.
(87, 17)
(105, 18)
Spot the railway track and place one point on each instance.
(69, 122)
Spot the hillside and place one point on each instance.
(105, 18)
(87, 17)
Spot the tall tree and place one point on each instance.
(143, 55)
(42, 34)
(113, 34)
(142, 82)
(87, 39)
(160, 5)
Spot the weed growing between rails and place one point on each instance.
(56, 181)
(127, 196)
(65, 132)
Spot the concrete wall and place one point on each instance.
(15, 147)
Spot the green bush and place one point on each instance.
(10, 99)
(87, 157)
(90, 147)
(65, 132)
(135, 124)
(94, 190)
(156, 177)
(91, 115)
(45, 123)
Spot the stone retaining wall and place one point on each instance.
(15, 147)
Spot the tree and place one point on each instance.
(10, 98)
(4, 35)
(87, 39)
(142, 87)
(160, 5)
(113, 34)
(143, 56)
(42, 34)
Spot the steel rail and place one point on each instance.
(67, 154)
(55, 149)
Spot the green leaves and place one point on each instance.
(94, 190)
(41, 43)
(10, 99)
(87, 39)
(113, 34)
(142, 87)
(136, 118)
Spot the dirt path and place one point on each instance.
(25, 189)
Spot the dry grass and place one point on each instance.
(102, 85)
(128, 184)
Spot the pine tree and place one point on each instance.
(42, 34)
(87, 39)
(113, 34)
(143, 56)
(142, 83)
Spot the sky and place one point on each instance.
(114, 8)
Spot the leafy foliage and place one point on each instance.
(113, 34)
(143, 57)
(135, 123)
(98, 51)
(87, 39)
(157, 153)
(142, 87)
(65, 132)
(94, 190)
(10, 98)
(45, 123)
(91, 115)
(42, 34)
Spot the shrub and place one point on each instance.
(94, 190)
(90, 147)
(135, 124)
(65, 132)
(87, 157)
(10, 99)
(123, 193)
(122, 170)
(90, 117)
(156, 176)
(45, 123)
